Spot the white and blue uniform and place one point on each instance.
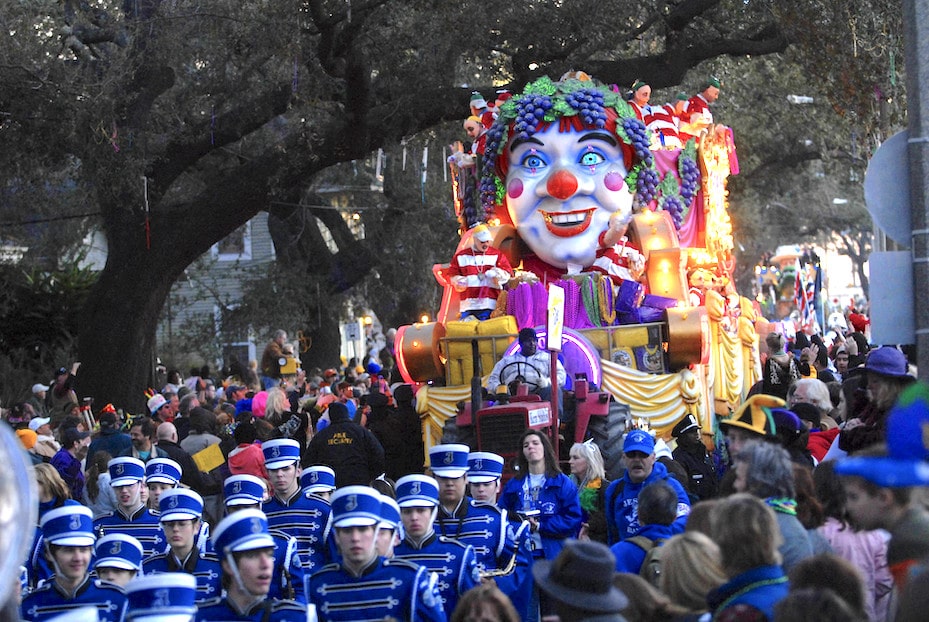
(386, 589)
(205, 568)
(451, 562)
(308, 519)
(50, 600)
(141, 525)
(223, 610)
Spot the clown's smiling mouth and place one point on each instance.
(568, 224)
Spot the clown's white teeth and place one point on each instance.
(568, 219)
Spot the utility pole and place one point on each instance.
(916, 33)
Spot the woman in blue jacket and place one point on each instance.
(542, 495)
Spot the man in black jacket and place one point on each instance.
(353, 452)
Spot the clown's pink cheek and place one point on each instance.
(614, 181)
(515, 189)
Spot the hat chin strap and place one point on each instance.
(237, 576)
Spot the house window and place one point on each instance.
(235, 246)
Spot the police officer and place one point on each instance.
(131, 516)
(181, 512)
(452, 563)
(305, 517)
(691, 453)
(365, 584)
(69, 538)
(246, 492)
(247, 552)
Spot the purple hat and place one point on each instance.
(887, 361)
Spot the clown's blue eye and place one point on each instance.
(592, 158)
(533, 161)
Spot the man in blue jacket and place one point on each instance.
(622, 514)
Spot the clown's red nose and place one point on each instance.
(562, 185)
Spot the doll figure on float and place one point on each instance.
(559, 162)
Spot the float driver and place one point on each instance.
(528, 365)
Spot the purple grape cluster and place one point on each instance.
(673, 206)
(638, 136)
(530, 111)
(690, 178)
(589, 105)
(646, 185)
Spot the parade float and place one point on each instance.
(579, 189)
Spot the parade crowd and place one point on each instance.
(283, 494)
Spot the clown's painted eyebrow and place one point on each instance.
(520, 141)
(604, 136)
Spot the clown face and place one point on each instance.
(561, 190)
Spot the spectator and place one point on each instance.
(866, 550)
(815, 605)
(247, 458)
(98, 494)
(61, 394)
(37, 401)
(29, 439)
(410, 427)
(352, 451)
(641, 470)
(765, 470)
(202, 425)
(691, 567)
(657, 511)
(271, 360)
(579, 582)
(780, 368)
(191, 475)
(588, 474)
(485, 602)
(831, 572)
(111, 439)
(809, 510)
(46, 445)
(142, 435)
(887, 376)
(67, 461)
(746, 531)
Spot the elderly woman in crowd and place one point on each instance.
(766, 471)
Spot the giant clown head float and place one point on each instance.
(563, 157)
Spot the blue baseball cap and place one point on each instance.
(280, 453)
(318, 478)
(245, 530)
(417, 491)
(179, 504)
(356, 506)
(162, 597)
(125, 470)
(449, 460)
(244, 489)
(118, 550)
(639, 440)
(484, 467)
(163, 471)
(907, 460)
(69, 525)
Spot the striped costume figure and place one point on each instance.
(479, 272)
